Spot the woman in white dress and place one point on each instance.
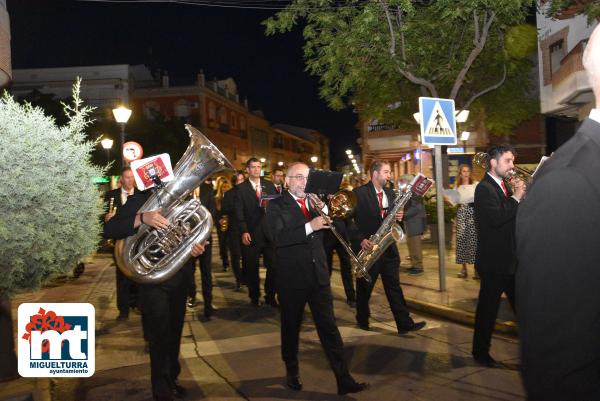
(466, 235)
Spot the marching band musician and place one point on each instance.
(163, 304)
(250, 216)
(303, 278)
(126, 289)
(558, 302)
(232, 234)
(373, 201)
(495, 259)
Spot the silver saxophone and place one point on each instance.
(389, 232)
(154, 255)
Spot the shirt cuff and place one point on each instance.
(518, 201)
(308, 229)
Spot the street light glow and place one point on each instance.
(464, 136)
(348, 151)
(280, 164)
(121, 114)
(314, 159)
(351, 157)
(107, 143)
(262, 160)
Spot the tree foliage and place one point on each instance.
(51, 208)
(591, 8)
(389, 52)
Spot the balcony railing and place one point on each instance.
(570, 64)
(381, 127)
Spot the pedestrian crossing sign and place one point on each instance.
(438, 122)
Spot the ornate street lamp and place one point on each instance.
(122, 115)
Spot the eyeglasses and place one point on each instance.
(298, 177)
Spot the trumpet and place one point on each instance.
(111, 208)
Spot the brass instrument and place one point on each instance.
(111, 205)
(223, 185)
(154, 255)
(482, 160)
(341, 205)
(389, 231)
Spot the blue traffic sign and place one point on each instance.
(438, 122)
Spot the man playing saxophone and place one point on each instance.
(373, 201)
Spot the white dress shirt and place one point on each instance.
(499, 182)
(595, 115)
(125, 194)
(384, 200)
(307, 226)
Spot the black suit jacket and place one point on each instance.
(250, 216)
(367, 217)
(116, 195)
(557, 285)
(228, 204)
(121, 225)
(300, 259)
(207, 198)
(495, 216)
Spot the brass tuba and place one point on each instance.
(154, 255)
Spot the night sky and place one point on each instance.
(182, 39)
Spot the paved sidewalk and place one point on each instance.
(236, 355)
(459, 301)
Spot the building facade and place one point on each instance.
(5, 60)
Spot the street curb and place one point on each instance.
(459, 315)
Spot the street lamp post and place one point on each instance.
(122, 115)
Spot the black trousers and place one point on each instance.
(223, 249)
(251, 255)
(389, 269)
(331, 243)
(234, 245)
(127, 292)
(320, 301)
(490, 292)
(163, 310)
(205, 275)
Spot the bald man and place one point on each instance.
(558, 278)
(303, 277)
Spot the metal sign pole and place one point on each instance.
(439, 189)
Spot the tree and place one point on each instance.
(558, 8)
(51, 208)
(389, 52)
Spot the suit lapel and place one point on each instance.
(372, 199)
(499, 190)
(293, 205)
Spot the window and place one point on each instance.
(212, 111)
(182, 108)
(557, 52)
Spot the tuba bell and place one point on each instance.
(154, 255)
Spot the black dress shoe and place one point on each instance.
(351, 303)
(364, 325)
(179, 391)
(414, 327)
(293, 382)
(256, 303)
(122, 317)
(209, 310)
(351, 387)
(238, 287)
(192, 302)
(486, 360)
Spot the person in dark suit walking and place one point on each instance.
(278, 179)
(558, 301)
(116, 199)
(207, 199)
(303, 278)
(373, 201)
(495, 259)
(250, 217)
(415, 222)
(232, 235)
(163, 304)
